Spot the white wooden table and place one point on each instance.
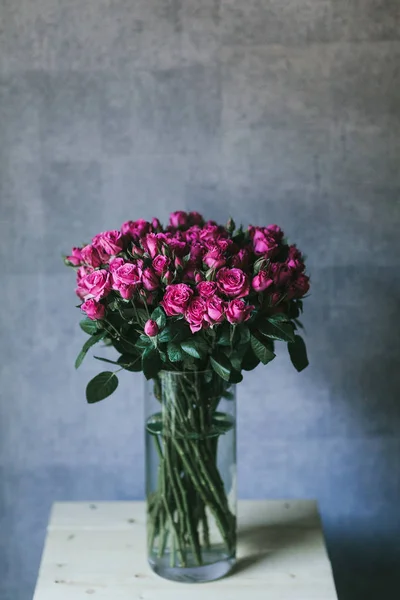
(98, 550)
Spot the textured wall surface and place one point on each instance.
(282, 111)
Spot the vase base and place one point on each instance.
(194, 574)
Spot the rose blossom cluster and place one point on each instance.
(196, 270)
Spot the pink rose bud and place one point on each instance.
(195, 218)
(261, 282)
(151, 328)
(93, 309)
(178, 218)
(198, 277)
(155, 223)
(150, 280)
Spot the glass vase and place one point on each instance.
(191, 475)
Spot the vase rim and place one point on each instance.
(201, 372)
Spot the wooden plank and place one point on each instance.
(99, 549)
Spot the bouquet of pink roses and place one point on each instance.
(193, 295)
(202, 301)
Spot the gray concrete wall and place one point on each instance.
(282, 111)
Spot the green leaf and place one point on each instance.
(130, 362)
(277, 329)
(174, 352)
(224, 334)
(244, 334)
(250, 360)
(236, 376)
(88, 344)
(101, 386)
(165, 335)
(151, 362)
(298, 353)
(159, 316)
(221, 364)
(191, 348)
(88, 326)
(124, 346)
(261, 351)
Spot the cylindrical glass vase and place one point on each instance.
(191, 475)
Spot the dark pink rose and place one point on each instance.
(206, 289)
(197, 252)
(189, 271)
(275, 231)
(150, 280)
(151, 328)
(275, 298)
(151, 244)
(241, 259)
(125, 279)
(95, 285)
(215, 309)
(295, 259)
(178, 218)
(212, 231)
(195, 218)
(136, 229)
(91, 256)
(160, 264)
(75, 259)
(281, 274)
(179, 247)
(93, 309)
(214, 258)
(233, 282)
(176, 299)
(237, 311)
(299, 287)
(178, 263)
(192, 234)
(108, 242)
(195, 313)
(261, 281)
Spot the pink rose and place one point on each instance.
(151, 244)
(198, 277)
(195, 313)
(93, 309)
(299, 287)
(264, 244)
(91, 256)
(151, 328)
(176, 299)
(125, 279)
(189, 271)
(178, 219)
(214, 258)
(206, 289)
(110, 242)
(75, 259)
(115, 263)
(215, 309)
(150, 280)
(160, 264)
(233, 282)
(81, 273)
(261, 281)
(211, 231)
(136, 229)
(192, 234)
(295, 260)
(237, 311)
(95, 285)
